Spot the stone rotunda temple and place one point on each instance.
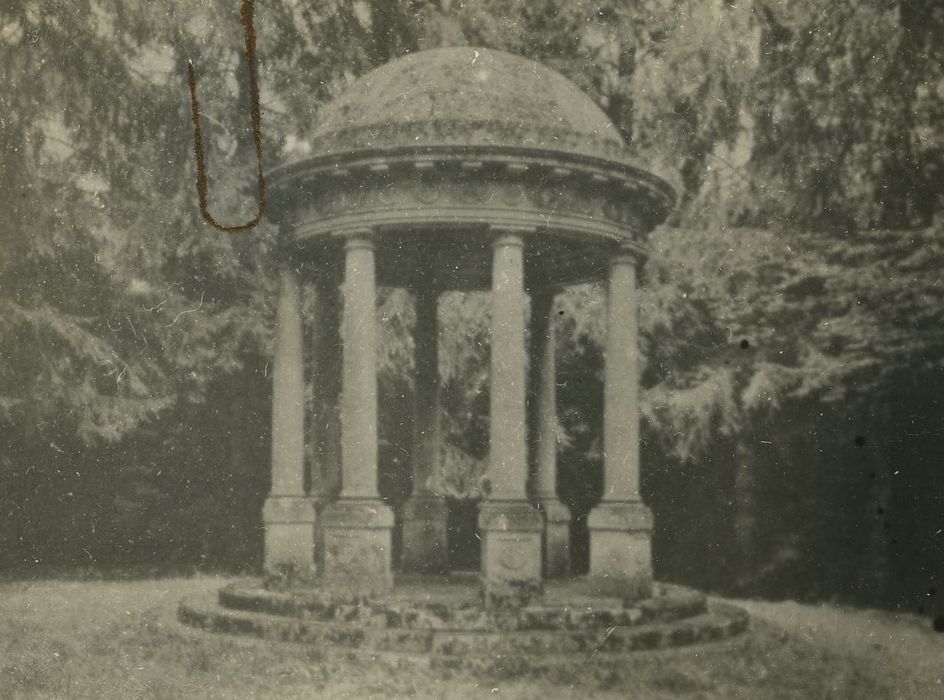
(455, 169)
(476, 170)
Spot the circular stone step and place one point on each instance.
(718, 623)
(457, 611)
(423, 621)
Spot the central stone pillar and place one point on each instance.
(288, 513)
(620, 526)
(358, 526)
(425, 514)
(510, 526)
(544, 426)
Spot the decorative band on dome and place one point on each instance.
(448, 132)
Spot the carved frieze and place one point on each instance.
(614, 209)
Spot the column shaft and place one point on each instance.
(511, 527)
(621, 388)
(288, 514)
(288, 393)
(359, 373)
(544, 445)
(508, 448)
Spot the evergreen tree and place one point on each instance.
(130, 330)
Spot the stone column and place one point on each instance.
(326, 385)
(288, 513)
(425, 515)
(358, 526)
(620, 526)
(544, 426)
(510, 526)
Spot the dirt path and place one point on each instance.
(902, 651)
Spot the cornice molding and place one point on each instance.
(466, 162)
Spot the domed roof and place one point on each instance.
(466, 97)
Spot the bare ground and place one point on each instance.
(901, 652)
(122, 640)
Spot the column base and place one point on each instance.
(425, 535)
(511, 549)
(556, 537)
(620, 549)
(289, 538)
(358, 545)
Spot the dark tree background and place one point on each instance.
(792, 311)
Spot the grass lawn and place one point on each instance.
(122, 640)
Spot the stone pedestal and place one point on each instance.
(425, 535)
(620, 549)
(556, 537)
(358, 543)
(289, 536)
(511, 545)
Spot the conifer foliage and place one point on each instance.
(796, 290)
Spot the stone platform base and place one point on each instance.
(445, 619)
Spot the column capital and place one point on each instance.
(628, 254)
(357, 238)
(508, 235)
